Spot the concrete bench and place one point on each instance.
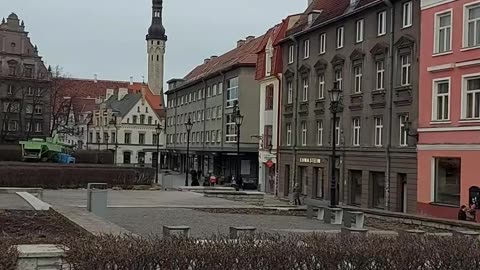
(167, 230)
(250, 231)
(333, 216)
(315, 204)
(360, 231)
(354, 219)
(412, 232)
(472, 234)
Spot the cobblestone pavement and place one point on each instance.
(13, 202)
(144, 221)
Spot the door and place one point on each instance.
(127, 157)
(403, 199)
(154, 160)
(286, 182)
(319, 182)
(141, 158)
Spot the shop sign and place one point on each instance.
(269, 163)
(311, 160)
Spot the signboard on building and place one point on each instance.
(311, 160)
(269, 163)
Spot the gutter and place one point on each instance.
(390, 105)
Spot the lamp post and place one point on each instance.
(238, 117)
(158, 130)
(113, 122)
(335, 106)
(408, 126)
(188, 126)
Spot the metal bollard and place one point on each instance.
(97, 199)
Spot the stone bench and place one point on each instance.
(360, 231)
(472, 234)
(333, 216)
(250, 231)
(315, 204)
(167, 230)
(353, 219)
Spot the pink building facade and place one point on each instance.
(449, 112)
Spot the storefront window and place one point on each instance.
(447, 180)
(318, 174)
(378, 189)
(356, 187)
(303, 178)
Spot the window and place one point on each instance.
(403, 131)
(28, 71)
(269, 97)
(214, 90)
(142, 119)
(39, 92)
(127, 139)
(407, 14)
(199, 95)
(289, 134)
(303, 177)
(359, 31)
(472, 25)
(319, 132)
(319, 182)
(38, 127)
(232, 91)
(304, 133)
(207, 136)
(441, 100)
(443, 32)
(306, 49)
(113, 137)
(214, 112)
(150, 119)
(267, 136)
(134, 121)
(358, 79)
(340, 33)
(378, 136)
(28, 126)
(447, 180)
(356, 132)
(405, 61)
(338, 78)
(194, 96)
(380, 80)
(321, 86)
(378, 184)
(231, 129)
(12, 70)
(291, 51)
(190, 96)
(38, 109)
(12, 125)
(30, 91)
(289, 92)
(323, 43)
(105, 137)
(29, 109)
(305, 90)
(219, 136)
(382, 23)
(11, 89)
(471, 98)
(208, 113)
(219, 114)
(337, 131)
(209, 91)
(138, 109)
(356, 187)
(220, 88)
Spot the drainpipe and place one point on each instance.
(295, 112)
(390, 105)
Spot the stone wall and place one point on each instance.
(254, 198)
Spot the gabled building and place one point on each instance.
(269, 74)
(449, 111)
(25, 84)
(207, 96)
(370, 48)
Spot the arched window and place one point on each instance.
(158, 58)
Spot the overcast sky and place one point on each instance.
(107, 37)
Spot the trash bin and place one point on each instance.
(97, 198)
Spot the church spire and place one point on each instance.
(156, 30)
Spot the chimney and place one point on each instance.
(109, 93)
(206, 60)
(213, 57)
(95, 77)
(250, 38)
(131, 80)
(122, 92)
(240, 43)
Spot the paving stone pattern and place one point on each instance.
(13, 202)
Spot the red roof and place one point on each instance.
(83, 88)
(243, 55)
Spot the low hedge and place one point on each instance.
(10, 152)
(8, 255)
(56, 176)
(343, 252)
(94, 157)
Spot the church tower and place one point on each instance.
(156, 40)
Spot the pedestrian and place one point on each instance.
(296, 194)
(462, 213)
(239, 183)
(213, 180)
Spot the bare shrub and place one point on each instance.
(8, 255)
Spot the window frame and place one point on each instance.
(339, 79)
(289, 92)
(465, 79)
(321, 86)
(305, 88)
(435, 96)
(381, 23)
(378, 131)
(304, 132)
(380, 72)
(306, 49)
(438, 28)
(338, 131)
(356, 129)
(359, 30)
(403, 138)
(407, 14)
(358, 78)
(406, 67)
(269, 94)
(232, 89)
(323, 43)
(291, 54)
(319, 132)
(288, 129)
(340, 41)
(435, 180)
(466, 21)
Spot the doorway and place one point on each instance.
(127, 157)
(141, 158)
(403, 192)
(286, 183)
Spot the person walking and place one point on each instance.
(462, 213)
(296, 194)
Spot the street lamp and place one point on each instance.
(335, 106)
(188, 126)
(113, 122)
(408, 126)
(238, 123)
(158, 130)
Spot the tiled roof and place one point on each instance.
(124, 105)
(83, 88)
(243, 55)
(328, 10)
